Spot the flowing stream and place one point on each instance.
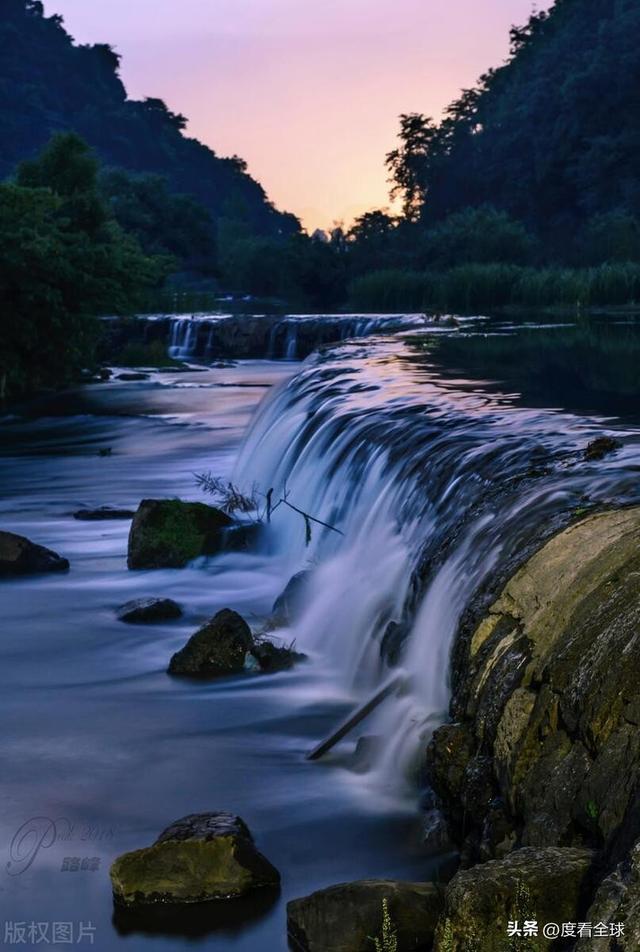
(438, 456)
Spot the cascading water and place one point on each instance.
(210, 336)
(433, 483)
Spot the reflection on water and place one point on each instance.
(437, 461)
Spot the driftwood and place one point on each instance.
(391, 687)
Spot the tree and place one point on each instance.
(409, 163)
(63, 261)
(477, 235)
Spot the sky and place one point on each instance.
(308, 92)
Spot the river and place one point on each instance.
(438, 457)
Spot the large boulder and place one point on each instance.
(543, 886)
(348, 917)
(545, 696)
(218, 648)
(20, 556)
(145, 610)
(168, 533)
(199, 858)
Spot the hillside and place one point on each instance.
(48, 83)
(553, 136)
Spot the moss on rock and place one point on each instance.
(168, 533)
(200, 858)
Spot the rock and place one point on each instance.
(290, 603)
(149, 610)
(218, 648)
(546, 885)
(197, 859)
(617, 901)
(601, 447)
(133, 375)
(548, 687)
(168, 533)
(546, 749)
(271, 657)
(20, 556)
(102, 514)
(105, 373)
(241, 538)
(346, 918)
(365, 752)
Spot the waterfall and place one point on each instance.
(210, 336)
(433, 486)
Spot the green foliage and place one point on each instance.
(551, 136)
(63, 260)
(164, 224)
(478, 236)
(473, 287)
(301, 270)
(388, 941)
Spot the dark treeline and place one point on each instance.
(528, 191)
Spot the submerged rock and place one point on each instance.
(218, 648)
(142, 610)
(271, 657)
(545, 885)
(133, 375)
(601, 447)
(197, 859)
(346, 918)
(102, 514)
(168, 533)
(20, 556)
(289, 604)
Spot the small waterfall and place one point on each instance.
(210, 336)
(432, 484)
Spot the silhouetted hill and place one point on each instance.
(48, 83)
(553, 136)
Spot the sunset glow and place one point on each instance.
(307, 92)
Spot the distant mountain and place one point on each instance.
(48, 83)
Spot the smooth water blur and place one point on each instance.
(94, 731)
(436, 455)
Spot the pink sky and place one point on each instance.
(307, 91)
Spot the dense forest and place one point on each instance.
(528, 190)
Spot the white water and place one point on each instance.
(413, 471)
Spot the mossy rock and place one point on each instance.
(168, 533)
(545, 885)
(346, 918)
(200, 858)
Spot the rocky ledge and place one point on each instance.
(538, 774)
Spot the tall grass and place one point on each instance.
(483, 286)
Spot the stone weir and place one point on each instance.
(539, 771)
(210, 337)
